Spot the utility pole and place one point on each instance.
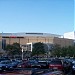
(22, 52)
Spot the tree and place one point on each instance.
(74, 50)
(9, 49)
(13, 49)
(68, 51)
(16, 48)
(64, 51)
(56, 50)
(38, 49)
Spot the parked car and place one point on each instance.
(25, 64)
(73, 68)
(43, 64)
(56, 64)
(35, 65)
(67, 65)
(54, 73)
(15, 63)
(6, 65)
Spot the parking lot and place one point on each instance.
(32, 72)
(40, 67)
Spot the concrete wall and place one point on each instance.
(28, 39)
(63, 42)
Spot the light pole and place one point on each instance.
(22, 52)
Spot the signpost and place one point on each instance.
(22, 53)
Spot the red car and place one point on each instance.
(56, 65)
(25, 64)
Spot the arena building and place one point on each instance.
(24, 38)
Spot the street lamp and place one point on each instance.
(22, 52)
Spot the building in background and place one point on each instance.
(26, 38)
(70, 35)
(2, 52)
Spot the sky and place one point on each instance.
(74, 15)
(42, 16)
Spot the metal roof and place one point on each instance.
(30, 34)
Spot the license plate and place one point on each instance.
(55, 68)
(0, 69)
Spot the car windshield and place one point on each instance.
(55, 62)
(42, 62)
(5, 62)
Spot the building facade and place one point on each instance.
(70, 35)
(24, 38)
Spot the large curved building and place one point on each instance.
(24, 38)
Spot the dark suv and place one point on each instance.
(43, 64)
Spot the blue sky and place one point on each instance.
(74, 15)
(47, 16)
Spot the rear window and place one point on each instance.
(42, 62)
(55, 62)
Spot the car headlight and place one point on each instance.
(73, 67)
(6, 66)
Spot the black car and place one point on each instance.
(43, 64)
